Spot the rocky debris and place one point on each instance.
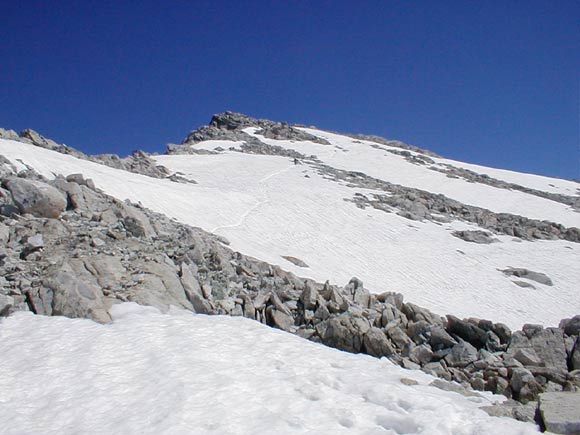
(416, 204)
(520, 272)
(296, 261)
(560, 412)
(390, 143)
(138, 162)
(229, 125)
(480, 237)
(101, 251)
(475, 177)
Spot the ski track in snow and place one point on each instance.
(242, 219)
(153, 374)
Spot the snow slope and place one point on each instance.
(268, 207)
(148, 373)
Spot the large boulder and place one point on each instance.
(72, 297)
(560, 412)
(36, 198)
(346, 332)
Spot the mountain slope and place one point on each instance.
(344, 206)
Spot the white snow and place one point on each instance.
(267, 208)
(149, 373)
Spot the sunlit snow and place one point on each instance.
(150, 373)
(268, 207)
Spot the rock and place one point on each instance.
(416, 313)
(480, 237)
(309, 297)
(75, 298)
(346, 332)
(6, 304)
(377, 344)
(575, 358)
(399, 338)
(36, 198)
(503, 332)
(571, 326)
(392, 298)
(454, 387)
(548, 344)
(520, 272)
(519, 378)
(437, 369)
(279, 319)
(462, 354)
(440, 339)
(358, 293)
(467, 331)
(528, 357)
(408, 382)
(560, 412)
(421, 354)
(296, 261)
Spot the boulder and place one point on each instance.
(75, 298)
(36, 198)
(571, 326)
(560, 412)
(346, 332)
(309, 297)
(467, 331)
(462, 354)
(6, 304)
(377, 344)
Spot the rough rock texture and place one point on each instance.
(36, 197)
(560, 412)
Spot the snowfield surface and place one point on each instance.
(267, 207)
(149, 373)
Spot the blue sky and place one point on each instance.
(494, 82)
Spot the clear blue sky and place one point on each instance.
(492, 82)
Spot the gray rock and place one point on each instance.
(309, 297)
(279, 319)
(571, 326)
(421, 354)
(560, 412)
(399, 338)
(377, 344)
(6, 304)
(440, 339)
(462, 354)
(480, 237)
(528, 357)
(520, 272)
(75, 298)
(346, 333)
(36, 198)
(467, 331)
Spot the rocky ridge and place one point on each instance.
(69, 249)
(411, 203)
(138, 162)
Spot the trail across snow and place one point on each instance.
(268, 208)
(264, 193)
(149, 373)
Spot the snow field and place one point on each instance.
(267, 207)
(150, 373)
